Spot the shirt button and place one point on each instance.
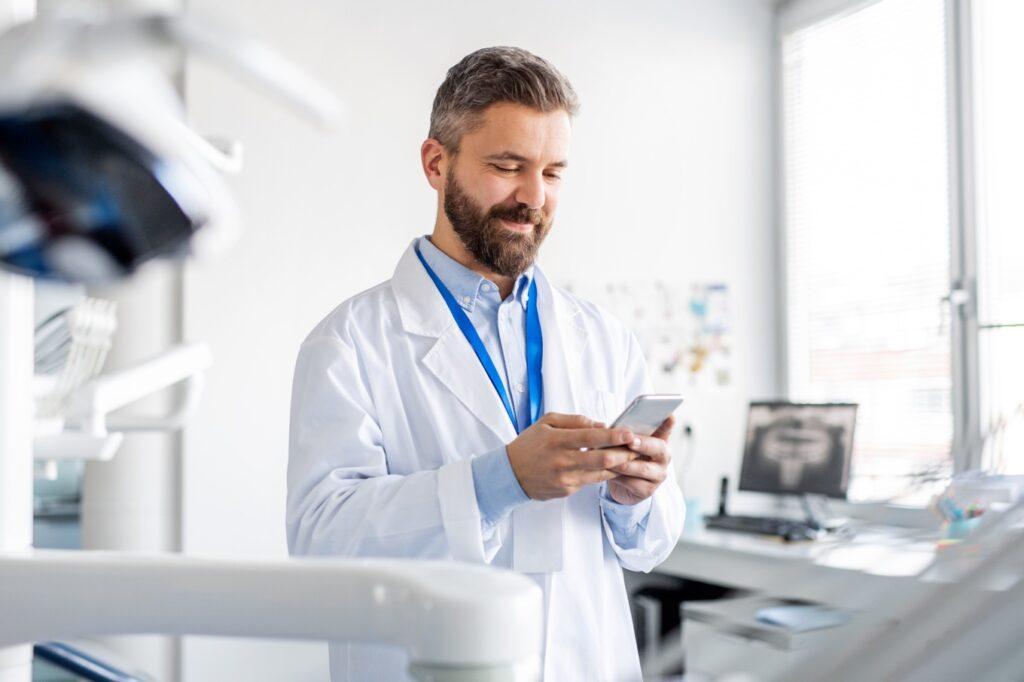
(520, 388)
(488, 286)
(466, 300)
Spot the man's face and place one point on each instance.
(501, 189)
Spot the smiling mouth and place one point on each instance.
(518, 227)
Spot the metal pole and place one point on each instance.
(16, 361)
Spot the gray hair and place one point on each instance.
(489, 76)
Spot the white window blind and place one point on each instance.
(867, 235)
(999, 184)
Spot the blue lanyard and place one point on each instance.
(534, 348)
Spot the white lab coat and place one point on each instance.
(390, 404)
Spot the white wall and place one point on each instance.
(671, 177)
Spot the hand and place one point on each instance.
(548, 461)
(639, 478)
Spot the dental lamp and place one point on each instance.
(98, 171)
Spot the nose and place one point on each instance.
(531, 191)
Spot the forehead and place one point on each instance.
(539, 136)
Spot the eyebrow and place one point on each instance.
(512, 156)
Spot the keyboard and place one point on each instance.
(787, 529)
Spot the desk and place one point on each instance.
(832, 571)
(843, 573)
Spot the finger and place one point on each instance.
(569, 421)
(605, 458)
(596, 438)
(639, 486)
(651, 447)
(589, 476)
(663, 431)
(638, 468)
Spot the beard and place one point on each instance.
(493, 245)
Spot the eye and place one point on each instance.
(505, 169)
(553, 176)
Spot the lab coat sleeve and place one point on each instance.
(654, 539)
(342, 501)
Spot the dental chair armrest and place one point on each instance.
(455, 621)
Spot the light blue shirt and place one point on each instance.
(501, 325)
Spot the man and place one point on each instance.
(454, 411)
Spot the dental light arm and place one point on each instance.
(90, 405)
(35, 53)
(252, 60)
(445, 616)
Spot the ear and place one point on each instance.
(434, 158)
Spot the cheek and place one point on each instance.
(494, 191)
(551, 200)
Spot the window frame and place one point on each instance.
(792, 15)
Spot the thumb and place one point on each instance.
(665, 429)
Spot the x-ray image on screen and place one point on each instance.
(798, 448)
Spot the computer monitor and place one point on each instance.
(798, 448)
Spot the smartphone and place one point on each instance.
(646, 413)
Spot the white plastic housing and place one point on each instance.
(444, 615)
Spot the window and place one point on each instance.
(999, 196)
(867, 235)
(881, 225)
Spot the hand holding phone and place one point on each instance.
(639, 478)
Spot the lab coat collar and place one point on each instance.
(420, 306)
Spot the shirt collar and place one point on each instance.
(464, 284)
